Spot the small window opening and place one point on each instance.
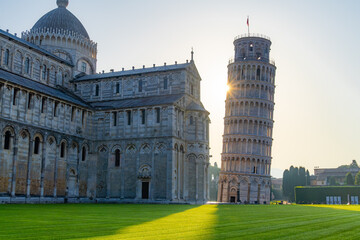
(56, 109)
(83, 67)
(37, 145)
(191, 120)
(7, 140)
(62, 150)
(83, 155)
(157, 115)
(44, 72)
(83, 117)
(117, 88)
(15, 96)
(27, 66)
(43, 104)
(6, 57)
(129, 117)
(143, 116)
(73, 109)
(140, 85)
(117, 158)
(251, 47)
(97, 90)
(165, 83)
(29, 100)
(114, 119)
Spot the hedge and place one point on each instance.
(317, 195)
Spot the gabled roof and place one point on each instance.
(196, 107)
(33, 47)
(42, 88)
(137, 102)
(133, 72)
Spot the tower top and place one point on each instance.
(192, 54)
(62, 3)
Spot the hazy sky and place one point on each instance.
(316, 46)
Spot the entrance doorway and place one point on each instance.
(232, 199)
(145, 190)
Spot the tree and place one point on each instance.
(308, 178)
(286, 183)
(294, 177)
(332, 181)
(302, 176)
(357, 179)
(354, 164)
(349, 180)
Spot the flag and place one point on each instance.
(247, 22)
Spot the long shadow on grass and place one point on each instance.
(77, 221)
(285, 222)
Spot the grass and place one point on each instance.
(179, 222)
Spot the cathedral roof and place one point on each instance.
(138, 102)
(33, 46)
(196, 107)
(61, 19)
(133, 72)
(42, 88)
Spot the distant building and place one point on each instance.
(248, 123)
(322, 175)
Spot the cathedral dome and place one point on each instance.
(61, 19)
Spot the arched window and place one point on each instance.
(43, 104)
(6, 57)
(165, 83)
(83, 155)
(15, 96)
(37, 145)
(27, 66)
(44, 72)
(258, 74)
(117, 158)
(191, 120)
(97, 90)
(251, 47)
(7, 140)
(62, 150)
(140, 85)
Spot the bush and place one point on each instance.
(317, 195)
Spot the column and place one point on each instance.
(55, 169)
(205, 182)
(78, 172)
(43, 152)
(28, 177)
(13, 175)
(197, 179)
(108, 185)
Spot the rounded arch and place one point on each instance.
(88, 61)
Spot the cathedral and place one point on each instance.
(70, 134)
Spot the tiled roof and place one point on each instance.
(39, 87)
(137, 102)
(61, 19)
(35, 47)
(196, 107)
(133, 72)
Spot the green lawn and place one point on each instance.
(178, 222)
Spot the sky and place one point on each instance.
(315, 43)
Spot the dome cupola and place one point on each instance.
(62, 34)
(61, 19)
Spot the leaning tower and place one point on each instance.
(248, 123)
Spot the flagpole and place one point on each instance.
(248, 24)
